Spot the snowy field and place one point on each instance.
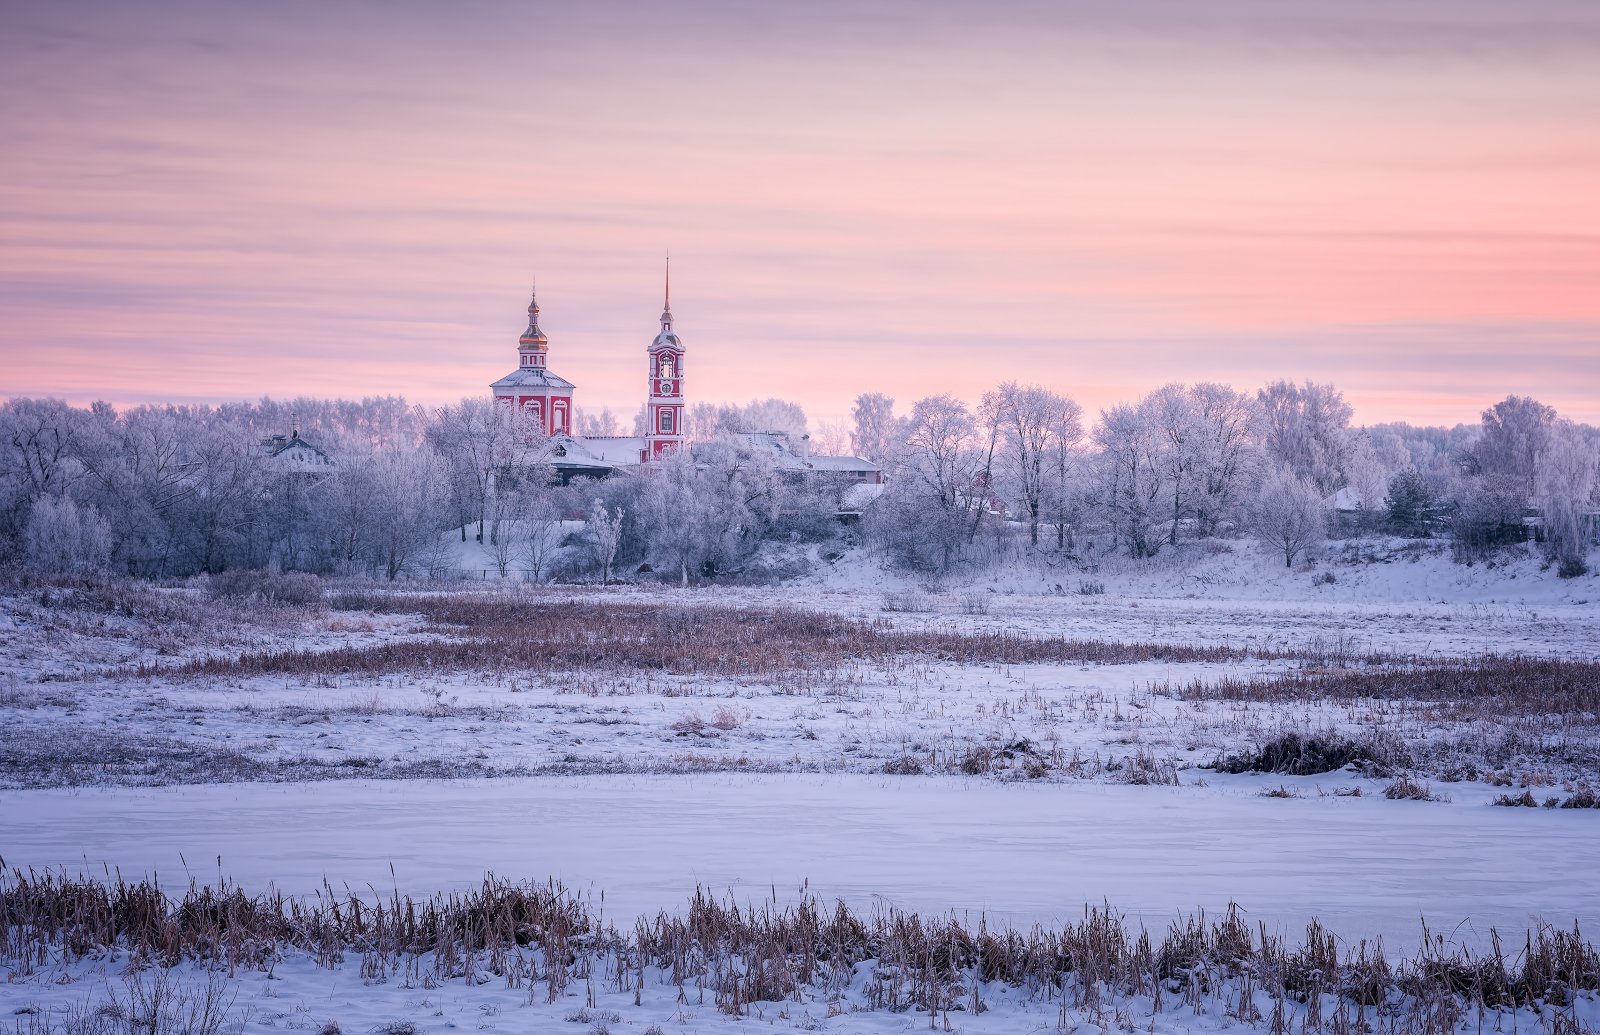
(1011, 793)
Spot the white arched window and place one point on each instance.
(532, 412)
(666, 422)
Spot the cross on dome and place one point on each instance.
(533, 337)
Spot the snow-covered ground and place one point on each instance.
(640, 786)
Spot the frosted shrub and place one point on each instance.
(1288, 515)
(975, 604)
(62, 537)
(294, 587)
(727, 719)
(907, 600)
(1565, 484)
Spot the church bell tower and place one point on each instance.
(664, 409)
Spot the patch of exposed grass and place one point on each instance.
(67, 755)
(501, 635)
(1486, 686)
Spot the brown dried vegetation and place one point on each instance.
(496, 635)
(543, 939)
(1465, 688)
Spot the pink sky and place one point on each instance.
(208, 201)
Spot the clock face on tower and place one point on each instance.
(664, 388)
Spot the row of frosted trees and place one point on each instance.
(1197, 461)
(170, 491)
(163, 491)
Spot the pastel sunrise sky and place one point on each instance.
(202, 201)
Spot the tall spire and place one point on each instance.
(533, 337)
(666, 302)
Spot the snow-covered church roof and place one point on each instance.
(532, 377)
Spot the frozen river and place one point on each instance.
(1020, 853)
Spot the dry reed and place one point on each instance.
(544, 939)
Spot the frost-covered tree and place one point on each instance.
(676, 517)
(922, 518)
(1367, 480)
(706, 421)
(1288, 515)
(779, 415)
(988, 424)
(1487, 514)
(1515, 432)
(225, 482)
(1228, 457)
(542, 534)
(1498, 477)
(1180, 455)
(1032, 421)
(595, 425)
(38, 457)
(831, 438)
(480, 440)
(1306, 430)
(1412, 504)
(1067, 489)
(704, 511)
(1566, 479)
(873, 424)
(606, 528)
(137, 468)
(1130, 486)
(1180, 451)
(406, 517)
(63, 538)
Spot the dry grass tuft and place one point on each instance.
(1407, 789)
(1294, 755)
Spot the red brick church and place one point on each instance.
(544, 399)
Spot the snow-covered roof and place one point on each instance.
(295, 452)
(614, 450)
(625, 450)
(532, 377)
(842, 463)
(1346, 501)
(858, 497)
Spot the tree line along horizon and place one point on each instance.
(172, 491)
